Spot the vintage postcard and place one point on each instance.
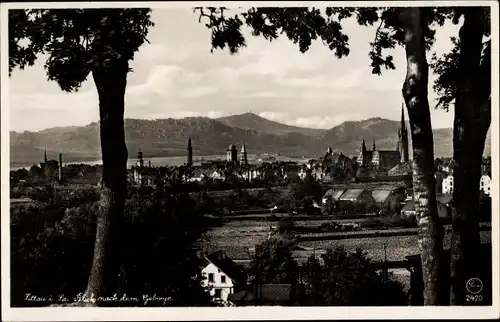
(233, 160)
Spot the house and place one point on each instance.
(400, 169)
(199, 174)
(357, 196)
(250, 175)
(224, 276)
(485, 184)
(218, 175)
(386, 194)
(408, 209)
(334, 194)
(264, 294)
(328, 178)
(144, 176)
(447, 184)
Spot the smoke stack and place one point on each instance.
(60, 166)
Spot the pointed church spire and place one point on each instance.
(190, 152)
(363, 145)
(243, 154)
(45, 156)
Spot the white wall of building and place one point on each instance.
(485, 184)
(448, 184)
(219, 282)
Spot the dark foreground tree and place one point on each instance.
(465, 79)
(347, 279)
(80, 42)
(408, 28)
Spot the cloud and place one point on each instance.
(177, 76)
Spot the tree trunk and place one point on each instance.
(471, 124)
(424, 194)
(104, 276)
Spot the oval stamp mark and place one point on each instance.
(474, 285)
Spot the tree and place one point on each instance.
(80, 42)
(273, 263)
(348, 279)
(409, 28)
(465, 79)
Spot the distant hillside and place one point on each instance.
(252, 121)
(167, 137)
(349, 135)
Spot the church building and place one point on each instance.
(386, 159)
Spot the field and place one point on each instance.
(238, 239)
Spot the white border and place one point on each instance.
(244, 313)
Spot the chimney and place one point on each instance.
(60, 166)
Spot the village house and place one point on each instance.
(223, 276)
(217, 175)
(359, 198)
(386, 196)
(485, 184)
(408, 209)
(447, 184)
(333, 194)
(199, 174)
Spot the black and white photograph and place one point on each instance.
(291, 157)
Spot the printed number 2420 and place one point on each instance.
(474, 298)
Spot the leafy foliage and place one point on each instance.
(304, 25)
(50, 240)
(75, 40)
(273, 263)
(348, 279)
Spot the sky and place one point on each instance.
(177, 76)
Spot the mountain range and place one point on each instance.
(168, 137)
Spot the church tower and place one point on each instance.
(403, 138)
(243, 156)
(189, 152)
(374, 148)
(362, 154)
(140, 157)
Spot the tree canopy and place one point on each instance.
(304, 25)
(75, 40)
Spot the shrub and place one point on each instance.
(347, 279)
(52, 248)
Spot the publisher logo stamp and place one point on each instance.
(474, 285)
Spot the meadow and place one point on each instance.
(238, 238)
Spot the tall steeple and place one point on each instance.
(403, 137)
(140, 157)
(363, 146)
(374, 148)
(190, 152)
(244, 156)
(45, 156)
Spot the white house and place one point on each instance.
(222, 275)
(485, 184)
(218, 175)
(448, 184)
(250, 174)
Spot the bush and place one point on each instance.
(52, 248)
(347, 279)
